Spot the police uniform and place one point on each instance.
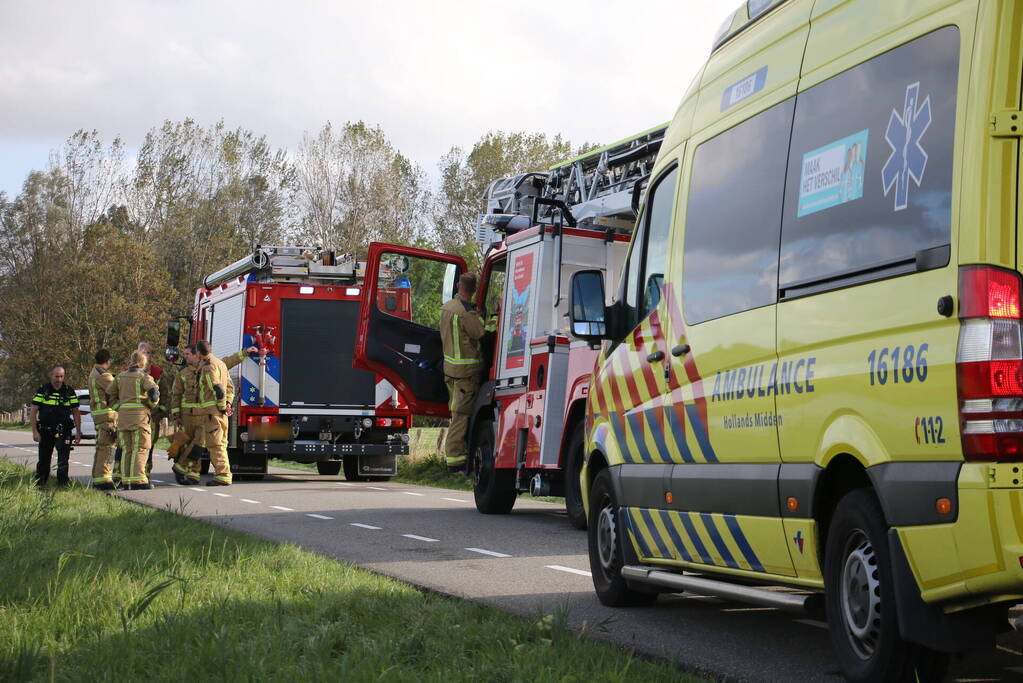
(216, 392)
(460, 331)
(134, 395)
(101, 385)
(53, 420)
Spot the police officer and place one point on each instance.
(101, 384)
(216, 396)
(134, 396)
(460, 331)
(53, 408)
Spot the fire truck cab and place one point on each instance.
(299, 398)
(526, 433)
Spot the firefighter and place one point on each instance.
(53, 408)
(186, 448)
(164, 382)
(460, 331)
(134, 395)
(101, 384)
(216, 397)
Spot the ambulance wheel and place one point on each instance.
(328, 467)
(860, 599)
(573, 469)
(607, 548)
(351, 467)
(492, 488)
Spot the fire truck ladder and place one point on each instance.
(596, 190)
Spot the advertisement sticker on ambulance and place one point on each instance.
(908, 158)
(833, 174)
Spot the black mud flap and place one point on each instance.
(379, 465)
(932, 627)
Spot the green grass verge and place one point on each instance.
(16, 426)
(92, 586)
(431, 471)
(292, 465)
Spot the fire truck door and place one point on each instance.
(399, 318)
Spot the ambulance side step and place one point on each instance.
(643, 576)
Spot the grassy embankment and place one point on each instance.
(92, 586)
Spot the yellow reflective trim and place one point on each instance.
(454, 337)
(465, 361)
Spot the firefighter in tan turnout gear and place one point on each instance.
(461, 329)
(189, 440)
(101, 388)
(134, 394)
(216, 395)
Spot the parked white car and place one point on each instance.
(88, 426)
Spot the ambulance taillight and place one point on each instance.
(989, 364)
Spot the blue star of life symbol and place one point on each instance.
(908, 158)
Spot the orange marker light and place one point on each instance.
(943, 506)
(792, 504)
(668, 497)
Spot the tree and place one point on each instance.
(354, 187)
(464, 179)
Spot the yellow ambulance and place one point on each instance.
(811, 375)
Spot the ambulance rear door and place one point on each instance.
(399, 321)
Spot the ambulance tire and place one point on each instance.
(328, 467)
(493, 489)
(573, 487)
(350, 463)
(607, 549)
(859, 582)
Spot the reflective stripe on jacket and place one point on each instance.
(460, 332)
(101, 384)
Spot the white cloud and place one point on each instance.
(432, 74)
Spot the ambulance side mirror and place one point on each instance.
(586, 305)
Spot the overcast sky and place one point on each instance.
(432, 73)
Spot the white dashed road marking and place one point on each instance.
(309, 514)
(366, 526)
(281, 507)
(413, 493)
(196, 488)
(376, 488)
(455, 500)
(249, 500)
(482, 551)
(558, 567)
(223, 495)
(158, 481)
(421, 538)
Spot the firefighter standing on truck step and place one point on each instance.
(134, 396)
(101, 385)
(460, 331)
(53, 408)
(216, 395)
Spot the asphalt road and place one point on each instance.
(529, 562)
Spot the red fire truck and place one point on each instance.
(299, 398)
(526, 433)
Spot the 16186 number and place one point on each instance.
(904, 364)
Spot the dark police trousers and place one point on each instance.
(50, 438)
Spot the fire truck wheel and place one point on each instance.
(573, 468)
(860, 599)
(607, 548)
(328, 467)
(493, 489)
(351, 467)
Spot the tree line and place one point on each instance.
(98, 249)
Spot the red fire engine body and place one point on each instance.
(526, 432)
(299, 398)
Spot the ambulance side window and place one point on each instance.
(870, 169)
(733, 220)
(648, 258)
